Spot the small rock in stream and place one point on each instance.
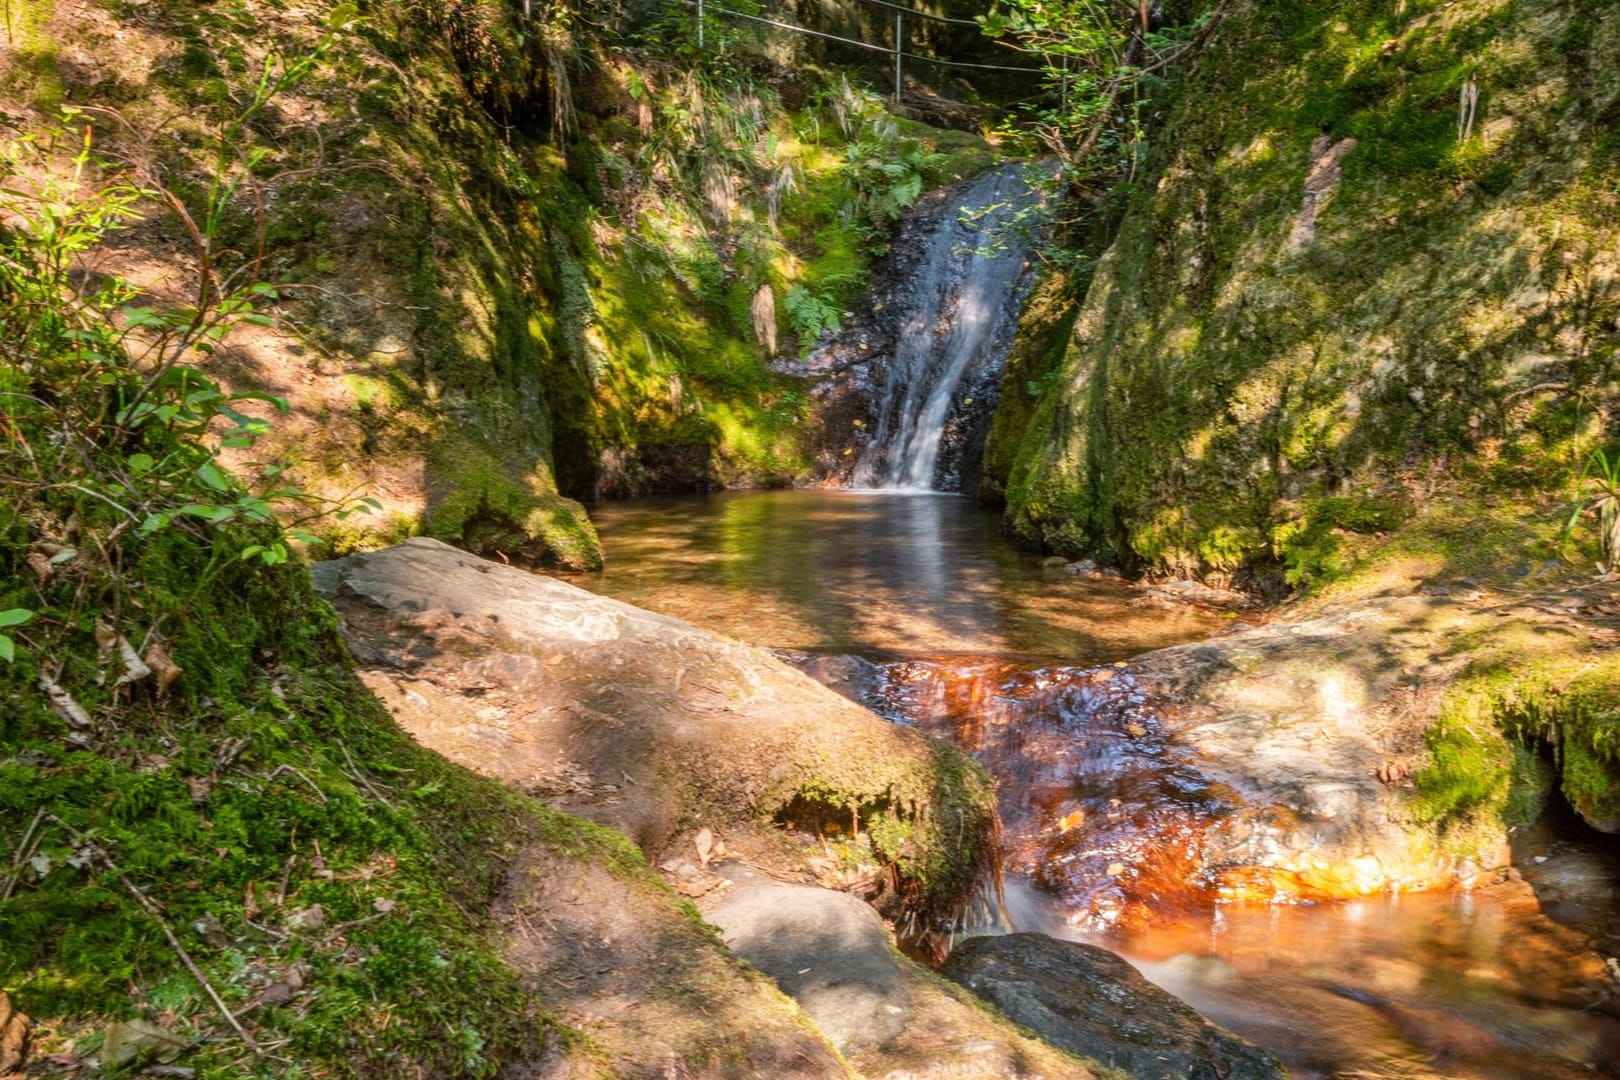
(1091, 1002)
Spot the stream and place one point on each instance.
(915, 605)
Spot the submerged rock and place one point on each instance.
(1091, 1002)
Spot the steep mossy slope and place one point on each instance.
(520, 257)
(1339, 310)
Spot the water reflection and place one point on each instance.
(886, 574)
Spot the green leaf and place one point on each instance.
(213, 476)
(15, 617)
(211, 514)
(280, 403)
(250, 551)
(141, 462)
(8, 651)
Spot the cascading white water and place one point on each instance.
(965, 291)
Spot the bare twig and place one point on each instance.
(1539, 388)
(24, 853)
(279, 769)
(354, 771)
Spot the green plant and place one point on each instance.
(104, 404)
(1597, 489)
(9, 618)
(811, 315)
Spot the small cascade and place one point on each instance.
(957, 311)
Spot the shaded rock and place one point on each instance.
(827, 950)
(611, 955)
(1091, 1002)
(890, 1016)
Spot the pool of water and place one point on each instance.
(917, 606)
(880, 575)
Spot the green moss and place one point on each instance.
(266, 781)
(1471, 767)
(1227, 379)
(33, 71)
(486, 510)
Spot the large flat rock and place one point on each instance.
(635, 720)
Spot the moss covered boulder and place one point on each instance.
(654, 727)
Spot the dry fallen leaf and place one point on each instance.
(44, 572)
(1116, 869)
(1070, 820)
(15, 1029)
(166, 670)
(63, 704)
(704, 844)
(129, 1040)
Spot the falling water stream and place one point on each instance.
(958, 307)
(916, 605)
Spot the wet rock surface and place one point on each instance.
(879, 369)
(1273, 763)
(888, 1015)
(1091, 1002)
(643, 723)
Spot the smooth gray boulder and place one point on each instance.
(827, 950)
(1088, 1001)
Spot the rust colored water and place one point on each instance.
(915, 606)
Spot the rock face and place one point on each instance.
(911, 383)
(1307, 302)
(646, 723)
(1091, 1002)
(1304, 759)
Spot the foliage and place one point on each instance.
(1098, 58)
(812, 315)
(1599, 486)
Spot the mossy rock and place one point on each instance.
(665, 728)
(483, 509)
(1288, 325)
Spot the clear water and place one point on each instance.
(962, 634)
(877, 575)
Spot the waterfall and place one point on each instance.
(960, 307)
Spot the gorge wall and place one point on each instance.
(1334, 306)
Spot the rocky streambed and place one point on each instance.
(1153, 804)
